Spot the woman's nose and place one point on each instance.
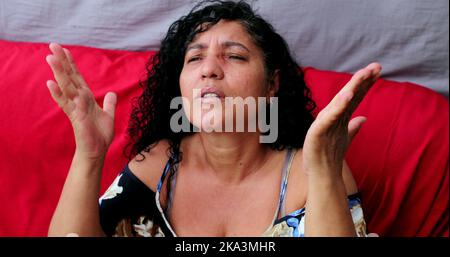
(211, 68)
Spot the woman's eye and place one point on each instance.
(237, 57)
(193, 59)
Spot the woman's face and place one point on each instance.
(221, 62)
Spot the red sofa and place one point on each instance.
(399, 159)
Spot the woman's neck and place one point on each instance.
(231, 157)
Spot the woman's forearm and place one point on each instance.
(77, 210)
(324, 149)
(327, 210)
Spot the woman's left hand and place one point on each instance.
(330, 134)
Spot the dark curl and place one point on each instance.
(150, 117)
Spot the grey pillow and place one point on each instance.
(408, 37)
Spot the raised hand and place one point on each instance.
(93, 126)
(331, 133)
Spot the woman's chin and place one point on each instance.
(211, 125)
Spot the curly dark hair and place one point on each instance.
(151, 113)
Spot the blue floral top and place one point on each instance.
(125, 208)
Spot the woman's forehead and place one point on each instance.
(226, 33)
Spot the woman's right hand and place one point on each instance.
(93, 126)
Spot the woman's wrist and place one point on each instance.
(326, 182)
(326, 194)
(88, 164)
(89, 157)
(324, 173)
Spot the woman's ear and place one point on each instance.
(274, 83)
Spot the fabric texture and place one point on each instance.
(399, 159)
(409, 37)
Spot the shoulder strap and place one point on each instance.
(171, 166)
(163, 175)
(285, 171)
(173, 159)
(284, 182)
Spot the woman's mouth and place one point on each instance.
(211, 92)
(208, 95)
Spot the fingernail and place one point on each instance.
(47, 58)
(48, 84)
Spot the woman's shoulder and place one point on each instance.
(148, 166)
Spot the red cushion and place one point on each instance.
(399, 158)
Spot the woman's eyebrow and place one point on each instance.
(226, 44)
(196, 46)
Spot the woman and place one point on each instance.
(180, 183)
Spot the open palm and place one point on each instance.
(333, 130)
(93, 126)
